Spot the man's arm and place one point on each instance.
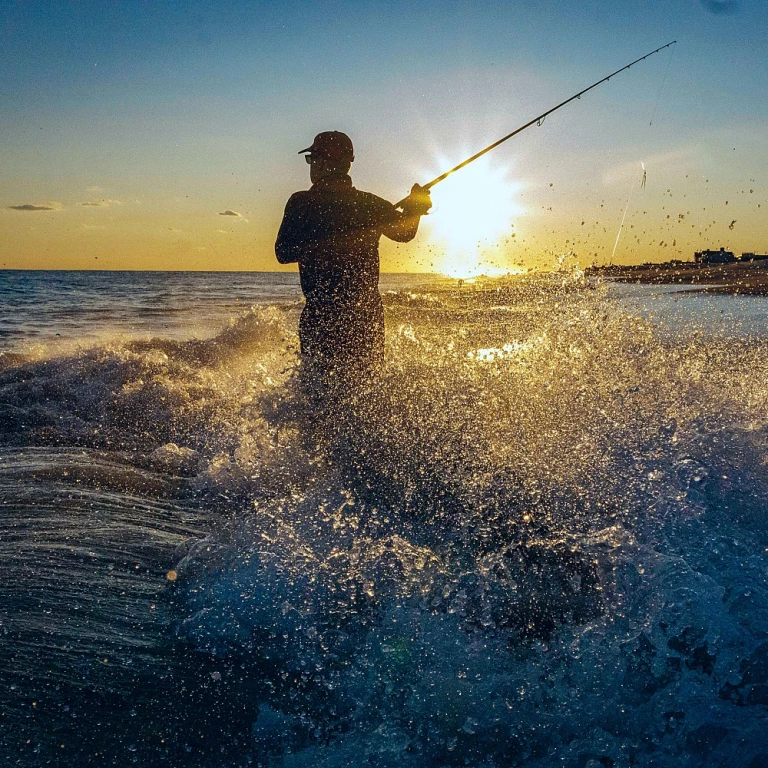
(404, 225)
(290, 237)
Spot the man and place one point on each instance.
(332, 230)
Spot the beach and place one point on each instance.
(748, 278)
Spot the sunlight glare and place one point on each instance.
(473, 212)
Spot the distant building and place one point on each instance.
(754, 256)
(714, 257)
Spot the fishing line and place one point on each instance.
(642, 183)
(663, 80)
(538, 120)
(626, 208)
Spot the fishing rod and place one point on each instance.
(537, 120)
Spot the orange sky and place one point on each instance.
(144, 137)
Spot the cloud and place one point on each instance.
(94, 190)
(101, 203)
(234, 214)
(37, 207)
(720, 7)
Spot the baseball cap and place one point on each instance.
(332, 145)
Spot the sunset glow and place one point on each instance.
(474, 214)
(165, 136)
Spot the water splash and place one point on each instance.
(539, 539)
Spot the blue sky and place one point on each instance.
(169, 113)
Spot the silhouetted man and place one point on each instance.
(332, 230)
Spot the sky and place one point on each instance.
(164, 135)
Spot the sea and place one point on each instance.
(539, 538)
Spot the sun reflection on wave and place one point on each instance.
(510, 349)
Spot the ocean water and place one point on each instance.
(539, 539)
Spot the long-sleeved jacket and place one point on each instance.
(332, 230)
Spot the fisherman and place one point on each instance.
(332, 230)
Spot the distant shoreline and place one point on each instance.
(748, 278)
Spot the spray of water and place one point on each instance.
(538, 540)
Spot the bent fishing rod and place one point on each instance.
(537, 120)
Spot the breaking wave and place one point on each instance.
(538, 540)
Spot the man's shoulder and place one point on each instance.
(375, 202)
(298, 202)
(371, 197)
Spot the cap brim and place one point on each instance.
(304, 151)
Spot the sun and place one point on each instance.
(473, 213)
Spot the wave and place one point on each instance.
(539, 539)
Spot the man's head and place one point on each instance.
(331, 154)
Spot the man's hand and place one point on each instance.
(418, 202)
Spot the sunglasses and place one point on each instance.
(308, 158)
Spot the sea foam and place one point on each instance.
(538, 539)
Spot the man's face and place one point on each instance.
(320, 167)
(316, 168)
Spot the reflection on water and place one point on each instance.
(686, 309)
(46, 306)
(539, 540)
